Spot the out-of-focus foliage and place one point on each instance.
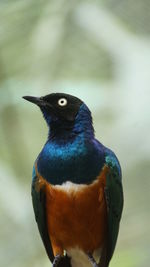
(100, 52)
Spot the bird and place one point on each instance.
(77, 190)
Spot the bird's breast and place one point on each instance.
(76, 162)
(76, 214)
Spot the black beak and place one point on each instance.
(39, 101)
(36, 100)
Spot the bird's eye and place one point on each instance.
(62, 102)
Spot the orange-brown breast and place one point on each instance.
(77, 217)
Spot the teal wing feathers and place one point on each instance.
(114, 200)
(38, 200)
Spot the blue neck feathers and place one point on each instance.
(71, 152)
(61, 130)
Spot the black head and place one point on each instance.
(57, 106)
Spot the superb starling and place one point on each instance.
(76, 187)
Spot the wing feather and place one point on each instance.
(114, 201)
(38, 200)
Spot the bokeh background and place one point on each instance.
(100, 52)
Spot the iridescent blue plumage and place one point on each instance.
(72, 154)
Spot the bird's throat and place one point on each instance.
(77, 160)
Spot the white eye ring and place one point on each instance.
(62, 102)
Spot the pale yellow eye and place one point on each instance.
(62, 102)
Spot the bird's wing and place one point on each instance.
(114, 201)
(39, 206)
(38, 200)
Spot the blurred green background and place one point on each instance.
(100, 52)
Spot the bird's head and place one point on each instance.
(63, 112)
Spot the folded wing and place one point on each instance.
(114, 201)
